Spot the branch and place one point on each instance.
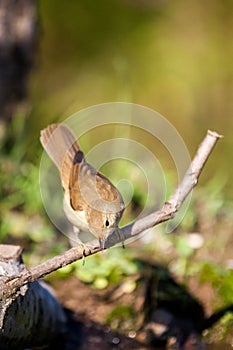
(165, 213)
(174, 203)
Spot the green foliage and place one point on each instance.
(221, 331)
(220, 278)
(122, 318)
(182, 264)
(21, 210)
(209, 200)
(175, 57)
(226, 324)
(22, 218)
(182, 247)
(101, 270)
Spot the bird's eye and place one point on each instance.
(107, 223)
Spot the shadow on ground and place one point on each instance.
(168, 316)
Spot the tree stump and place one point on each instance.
(31, 315)
(18, 39)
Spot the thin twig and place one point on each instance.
(165, 213)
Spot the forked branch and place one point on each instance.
(165, 213)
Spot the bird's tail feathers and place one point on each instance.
(61, 145)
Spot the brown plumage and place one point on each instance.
(91, 202)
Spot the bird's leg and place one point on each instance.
(75, 241)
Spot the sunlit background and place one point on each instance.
(174, 57)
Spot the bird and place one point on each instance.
(91, 202)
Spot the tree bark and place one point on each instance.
(18, 38)
(31, 316)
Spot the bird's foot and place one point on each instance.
(83, 248)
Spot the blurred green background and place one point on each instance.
(172, 56)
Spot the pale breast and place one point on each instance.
(76, 218)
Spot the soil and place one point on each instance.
(87, 309)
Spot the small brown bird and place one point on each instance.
(91, 202)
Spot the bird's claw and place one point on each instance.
(83, 248)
